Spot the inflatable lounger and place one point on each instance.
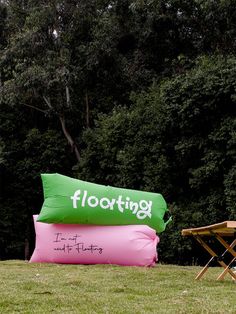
(80, 244)
(72, 201)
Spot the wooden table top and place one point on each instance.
(225, 228)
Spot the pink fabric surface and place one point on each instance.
(131, 245)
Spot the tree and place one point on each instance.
(38, 72)
(177, 139)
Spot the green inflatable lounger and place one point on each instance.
(72, 201)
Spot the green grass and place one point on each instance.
(49, 288)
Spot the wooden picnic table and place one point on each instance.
(219, 231)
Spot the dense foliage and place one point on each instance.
(135, 94)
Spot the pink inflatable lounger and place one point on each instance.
(131, 245)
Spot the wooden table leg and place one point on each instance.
(202, 272)
(214, 255)
(229, 248)
(226, 270)
(209, 250)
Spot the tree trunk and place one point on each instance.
(27, 253)
(70, 140)
(87, 110)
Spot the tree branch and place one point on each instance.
(35, 108)
(48, 102)
(67, 96)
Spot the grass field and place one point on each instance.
(49, 288)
